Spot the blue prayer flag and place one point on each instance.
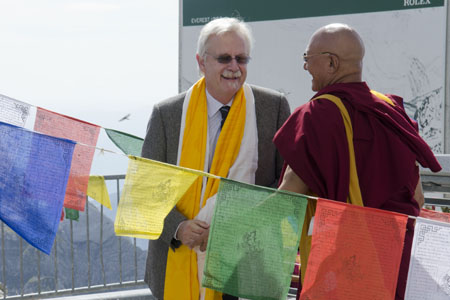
(34, 169)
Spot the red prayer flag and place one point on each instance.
(435, 215)
(62, 126)
(355, 252)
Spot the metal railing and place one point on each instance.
(436, 183)
(10, 274)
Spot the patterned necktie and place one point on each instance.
(224, 111)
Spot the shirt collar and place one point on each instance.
(213, 104)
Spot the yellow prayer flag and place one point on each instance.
(151, 190)
(97, 190)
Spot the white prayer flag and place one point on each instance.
(13, 111)
(429, 268)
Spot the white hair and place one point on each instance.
(220, 26)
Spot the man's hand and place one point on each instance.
(418, 194)
(192, 233)
(292, 182)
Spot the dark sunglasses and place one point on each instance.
(226, 59)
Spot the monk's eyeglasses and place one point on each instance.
(308, 56)
(226, 59)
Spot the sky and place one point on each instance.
(94, 60)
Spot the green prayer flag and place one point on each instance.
(72, 214)
(129, 144)
(253, 240)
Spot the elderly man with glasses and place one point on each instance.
(223, 126)
(352, 144)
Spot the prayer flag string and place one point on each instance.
(16, 113)
(111, 132)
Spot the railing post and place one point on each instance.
(101, 245)
(71, 254)
(55, 246)
(4, 262)
(21, 265)
(135, 261)
(88, 242)
(39, 270)
(120, 238)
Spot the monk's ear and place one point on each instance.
(333, 63)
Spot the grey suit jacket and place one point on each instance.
(161, 143)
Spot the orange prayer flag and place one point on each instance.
(435, 215)
(355, 252)
(61, 126)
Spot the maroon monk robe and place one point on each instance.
(386, 142)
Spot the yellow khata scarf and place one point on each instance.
(354, 190)
(181, 271)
